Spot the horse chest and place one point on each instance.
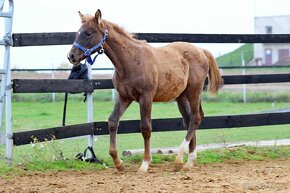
(129, 89)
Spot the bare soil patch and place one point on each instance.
(231, 176)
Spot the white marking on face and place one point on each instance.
(79, 32)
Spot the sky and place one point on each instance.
(160, 16)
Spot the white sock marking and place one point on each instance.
(183, 148)
(192, 156)
(144, 166)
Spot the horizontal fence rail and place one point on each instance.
(67, 38)
(75, 86)
(158, 125)
(101, 69)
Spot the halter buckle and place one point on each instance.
(102, 50)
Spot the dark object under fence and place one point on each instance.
(158, 125)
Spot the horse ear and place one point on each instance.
(82, 17)
(98, 16)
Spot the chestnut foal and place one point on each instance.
(147, 74)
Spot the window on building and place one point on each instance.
(269, 29)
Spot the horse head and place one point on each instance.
(89, 38)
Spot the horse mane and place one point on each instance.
(90, 20)
(122, 31)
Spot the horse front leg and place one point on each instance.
(120, 106)
(145, 103)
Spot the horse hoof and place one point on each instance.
(141, 171)
(120, 166)
(187, 167)
(177, 167)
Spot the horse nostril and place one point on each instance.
(71, 57)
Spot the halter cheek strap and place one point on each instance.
(88, 52)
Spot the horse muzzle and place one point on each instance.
(73, 59)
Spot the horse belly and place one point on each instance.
(171, 82)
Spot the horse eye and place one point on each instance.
(88, 33)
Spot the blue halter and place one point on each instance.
(88, 52)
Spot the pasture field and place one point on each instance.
(30, 115)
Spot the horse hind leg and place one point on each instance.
(120, 106)
(192, 155)
(195, 120)
(195, 115)
(184, 109)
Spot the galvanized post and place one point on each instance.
(7, 42)
(3, 85)
(90, 111)
(9, 141)
(244, 73)
(2, 101)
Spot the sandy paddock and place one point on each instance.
(231, 176)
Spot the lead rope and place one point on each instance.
(77, 72)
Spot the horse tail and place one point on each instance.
(215, 80)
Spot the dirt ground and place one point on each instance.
(232, 176)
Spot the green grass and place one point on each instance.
(205, 157)
(243, 153)
(234, 58)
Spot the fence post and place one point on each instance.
(90, 111)
(53, 77)
(244, 73)
(8, 42)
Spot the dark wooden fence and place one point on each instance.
(66, 38)
(132, 126)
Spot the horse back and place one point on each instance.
(179, 64)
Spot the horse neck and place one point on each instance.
(118, 48)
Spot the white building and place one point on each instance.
(272, 54)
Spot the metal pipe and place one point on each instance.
(9, 140)
(90, 111)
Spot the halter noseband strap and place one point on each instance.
(88, 52)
